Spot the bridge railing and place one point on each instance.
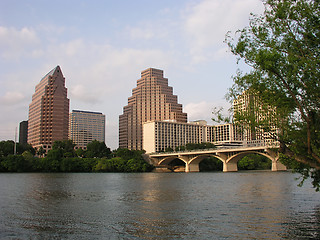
(197, 150)
(258, 143)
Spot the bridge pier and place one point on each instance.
(278, 166)
(230, 167)
(192, 167)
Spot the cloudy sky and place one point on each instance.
(103, 45)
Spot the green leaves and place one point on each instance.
(283, 48)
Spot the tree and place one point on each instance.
(282, 47)
(67, 147)
(53, 160)
(41, 152)
(15, 163)
(7, 148)
(80, 152)
(127, 154)
(97, 149)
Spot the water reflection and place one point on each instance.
(243, 205)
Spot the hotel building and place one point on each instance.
(151, 100)
(49, 111)
(84, 127)
(160, 135)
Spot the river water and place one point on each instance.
(241, 205)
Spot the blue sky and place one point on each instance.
(102, 47)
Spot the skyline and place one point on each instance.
(102, 48)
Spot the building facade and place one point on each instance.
(85, 126)
(49, 111)
(23, 132)
(161, 135)
(227, 134)
(151, 100)
(261, 127)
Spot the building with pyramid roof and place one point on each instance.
(49, 111)
(151, 100)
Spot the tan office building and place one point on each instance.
(85, 126)
(49, 111)
(248, 104)
(151, 100)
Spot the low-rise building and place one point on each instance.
(161, 135)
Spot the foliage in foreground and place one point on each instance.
(63, 158)
(282, 47)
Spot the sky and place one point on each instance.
(102, 46)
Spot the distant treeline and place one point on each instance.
(64, 158)
(191, 146)
(99, 158)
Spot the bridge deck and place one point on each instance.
(214, 150)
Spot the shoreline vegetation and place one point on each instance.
(99, 158)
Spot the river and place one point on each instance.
(215, 205)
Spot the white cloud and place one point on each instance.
(204, 110)
(14, 43)
(11, 98)
(81, 93)
(141, 33)
(207, 23)
(199, 111)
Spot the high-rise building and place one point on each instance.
(84, 127)
(49, 111)
(261, 117)
(23, 132)
(151, 100)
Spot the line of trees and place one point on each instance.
(64, 158)
(191, 146)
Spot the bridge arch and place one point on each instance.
(231, 163)
(235, 158)
(167, 160)
(229, 158)
(193, 163)
(199, 158)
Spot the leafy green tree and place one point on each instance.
(195, 146)
(180, 148)
(71, 164)
(7, 148)
(67, 147)
(2, 168)
(15, 163)
(169, 149)
(41, 152)
(282, 47)
(210, 164)
(127, 154)
(254, 162)
(29, 158)
(53, 159)
(119, 164)
(80, 152)
(97, 149)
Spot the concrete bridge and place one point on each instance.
(228, 155)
